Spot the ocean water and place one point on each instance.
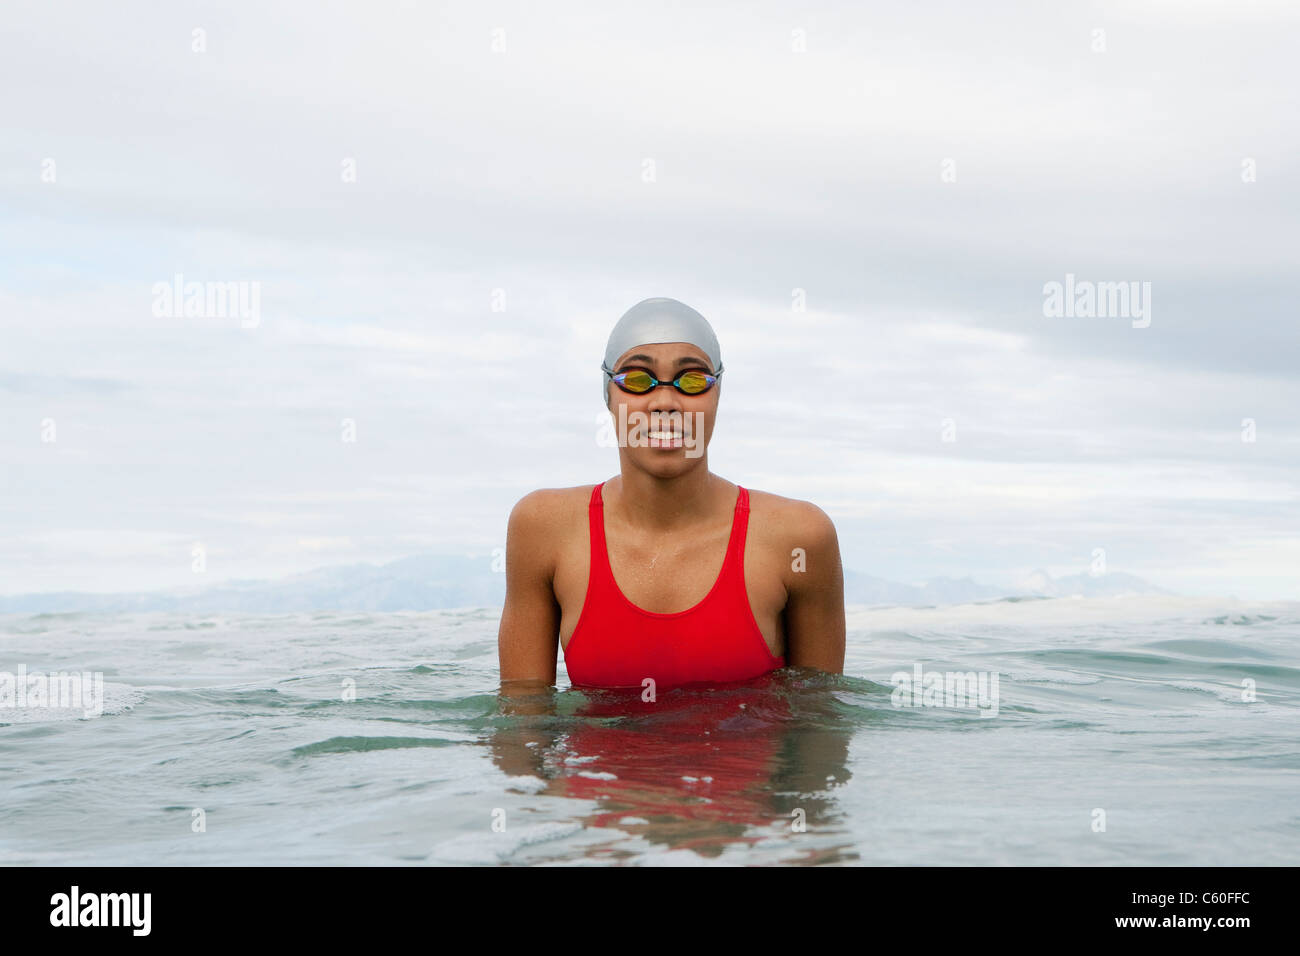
(1127, 731)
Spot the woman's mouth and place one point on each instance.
(665, 439)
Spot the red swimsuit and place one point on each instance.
(617, 644)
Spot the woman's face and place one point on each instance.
(664, 431)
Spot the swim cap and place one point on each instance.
(653, 321)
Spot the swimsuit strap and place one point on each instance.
(739, 526)
(599, 553)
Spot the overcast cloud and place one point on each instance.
(919, 172)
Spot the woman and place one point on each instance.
(667, 574)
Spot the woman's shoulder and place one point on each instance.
(546, 504)
(779, 514)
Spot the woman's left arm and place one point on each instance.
(814, 610)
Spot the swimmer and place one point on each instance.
(667, 571)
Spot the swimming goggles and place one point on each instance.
(638, 381)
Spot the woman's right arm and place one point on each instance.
(529, 638)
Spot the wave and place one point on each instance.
(348, 745)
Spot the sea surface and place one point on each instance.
(1120, 732)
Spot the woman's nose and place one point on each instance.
(665, 398)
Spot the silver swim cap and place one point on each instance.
(653, 321)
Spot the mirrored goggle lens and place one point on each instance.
(693, 383)
(637, 381)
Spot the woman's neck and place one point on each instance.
(655, 505)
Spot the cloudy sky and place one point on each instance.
(446, 206)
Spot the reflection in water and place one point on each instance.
(697, 769)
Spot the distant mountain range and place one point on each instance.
(864, 589)
(431, 582)
(412, 584)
